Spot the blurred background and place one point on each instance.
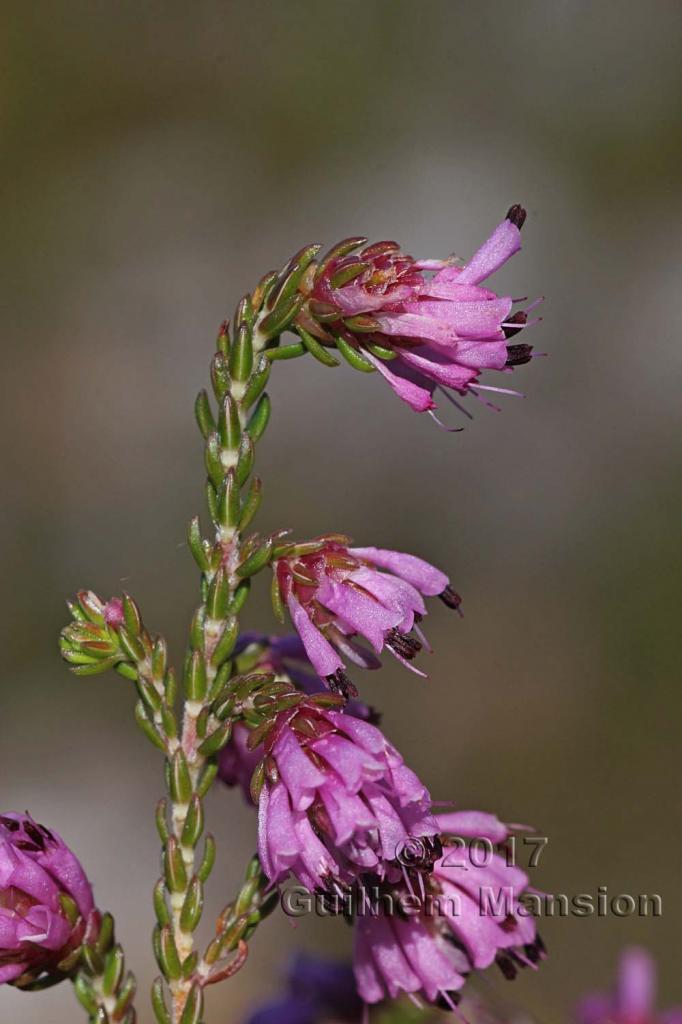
(158, 159)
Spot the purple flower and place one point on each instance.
(38, 927)
(336, 593)
(467, 918)
(634, 999)
(435, 330)
(318, 989)
(337, 801)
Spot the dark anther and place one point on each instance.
(520, 318)
(517, 215)
(24, 844)
(46, 832)
(532, 952)
(517, 355)
(34, 835)
(10, 824)
(403, 644)
(507, 966)
(451, 598)
(340, 683)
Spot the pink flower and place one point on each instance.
(337, 801)
(37, 870)
(335, 593)
(469, 917)
(113, 612)
(422, 331)
(634, 999)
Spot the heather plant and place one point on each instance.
(340, 814)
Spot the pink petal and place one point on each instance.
(323, 657)
(367, 617)
(503, 243)
(418, 398)
(425, 577)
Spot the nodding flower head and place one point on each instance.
(633, 1000)
(46, 902)
(336, 593)
(425, 325)
(337, 801)
(469, 917)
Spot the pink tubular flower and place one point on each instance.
(634, 998)
(335, 593)
(337, 801)
(37, 929)
(470, 917)
(434, 330)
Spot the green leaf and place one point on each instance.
(288, 352)
(208, 860)
(317, 350)
(223, 649)
(257, 561)
(276, 598)
(220, 375)
(195, 677)
(229, 427)
(241, 354)
(229, 501)
(336, 252)
(213, 461)
(246, 459)
(194, 822)
(281, 317)
(257, 381)
(259, 418)
(160, 906)
(206, 779)
(114, 966)
(348, 273)
(251, 503)
(180, 780)
(174, 866)
(194, 1007)
(85, 994)
(148, 727)
(217, 740)
(159, 1003)
(204, 414)
(353, 357)
(192, 908)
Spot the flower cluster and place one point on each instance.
(431, 320)
(470, 917)
(338, 801)
(46, 901)
(336, 593)
(339, 810)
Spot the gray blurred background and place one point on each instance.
(158, 159)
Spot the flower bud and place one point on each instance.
(46, 901)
